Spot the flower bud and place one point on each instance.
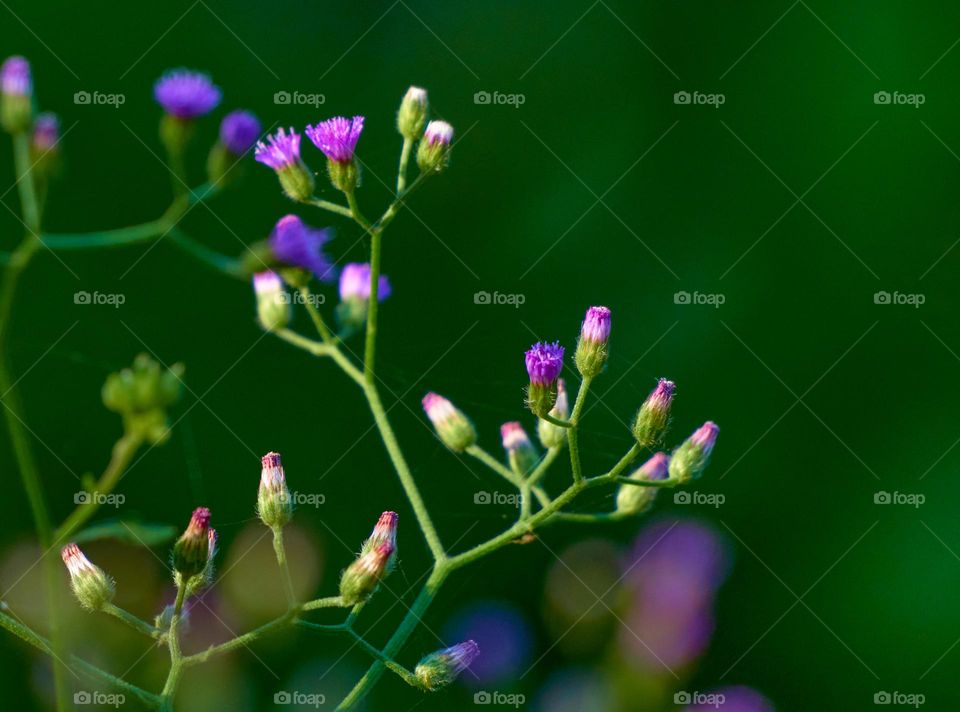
(92, 587)
(282, 154)
(142, 394)
(591, 352)
(44, 143)
(521, 454)
(544, 363)
(273, 302)
(385, 532)
(362, 577)
(238, 133)
(16, 95)
(274, 504)
(337, 138)
(553, 435)
(355, 289)
(441, 668)
(453, 428)
(632, 499)
(413, 113)
(205, 577)
(192, 549)
(690, 459)
(654, 415)
(433, 153)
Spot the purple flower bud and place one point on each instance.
(433, 153)
(591, 352)
(521, 454)
(46, 132)
(191, 549)
(453, 428)
(239, 131)
(337, 137)
(186, 94)
(654, 415)
(438, 132)
(596, 325)
(633, 499)
(273, 304)
(691, 458)
(385, 532)
(441, 668)
(705, 437)
(295, 243)
(544, 363)
(355, 283)
(15, 78)
(274, 504)
(282, 151)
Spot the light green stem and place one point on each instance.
(176, 657)
(138, 624)
(315, 316)
(494, 464)
(332, 207)
(402, 171)
(281, 552)
(572, 435)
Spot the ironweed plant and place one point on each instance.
(283, 269)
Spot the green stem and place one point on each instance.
(494, 464)
(556, 421)
(402, 171)
(240, 640)
(138, 624)
(328, 602)
(645, 483)
(332, 207)
(281, 552)
(318, 349)
(176, 657)
(572, 435)
(370, 345)
(315, 316)
(221, 263)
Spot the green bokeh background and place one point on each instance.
(823, 396)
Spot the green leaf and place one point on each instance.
(129, 531)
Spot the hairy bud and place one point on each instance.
(453, 427)
(521, 454)
(654, 415)
(274, 504)
(591, 354)
(361, 578)
(413, 113)
(690, 459)
(632, 499)
(92, 587)
(553, 435)
(544, 363)
(192, 549)
(441, 668)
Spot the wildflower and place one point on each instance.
(282, 154)
(362, 577)
(191, 550)
(654, 415)
(185, 94)
(591, 352)
(413, 113)
(544, 362)
(274, 504)
(273, 302)
(634, 499)
(46, 132)
(553, 435)
(453, 428)
(92, 587)
(433, 153)
(521, 454)
(441, 668)
(337, 139)
(690, 459)
(296, 244)
(385, 532)
(16, 93)
(238, 133)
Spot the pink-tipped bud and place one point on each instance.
(273, 302)
(521, 454)
(362, 577)
(92, 587)
(654, 415)
(591, 352)
(274, 503)
(413, 113)
(433, 154)
(441, 668)
(191, 549)
(453, 428)
(553, 435)
(632, 499)
(691, 458)
(385, 532)
(16, 90)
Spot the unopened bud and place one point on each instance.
(521, 454)
(238, 133)
(273, 302)
(192, 549)
(633, 499)
(441, 668)
(16, 95)
(413, 113)
(690, 459)
(453, 427)
(274, 504)
(362, 577)
(44, 144)
(544, 363)
(92, 587)
(553, 435)
(654, 415)
(591, 352)
(433, 153)
(385, 532)
(142, 394)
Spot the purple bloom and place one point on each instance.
(282, 152)
(46, 132)
(15, 79)
(239, 131)
(438, 132)
(299, 245)
(186, 94)
(596, 325)
(656, 468)
(705, 437)
(661, 396)
(544, 363)
(337, 137)
(355, 283)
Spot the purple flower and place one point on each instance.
(438, 132)
(239, 131)
(46, 132)
(337, 137)
(596, 325)
(15, 79)
(297, 244)
(705, 437)
(544, 363)
(355, 283)
(186, 94)
(282, 152)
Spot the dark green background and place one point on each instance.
(799, 477)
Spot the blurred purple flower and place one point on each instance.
(296, 243)
(186, 94)
(503, 635)
(239, 131)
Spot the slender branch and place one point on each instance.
(645, 483)
(240, 641)
(402, 170)
(328, 602)
(138, 624)
(306, 296)
(556, 421)
(494, 464)
(332, 207)
(573, 434)
(176, 657)
(229, 266)
(281, 552)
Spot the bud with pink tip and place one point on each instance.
(442, 667)
(544, 363)
(92, 587)
(654, 415)
(385, 532)
(634, 499)
(521, 454)
(16, 95)
(553, 435)
(591, 354)
(273, 302)
(413, 113)
(690, 459)
(191, 550)
(274, 504)
(361, 578)
(433, 154)
(453, 427)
